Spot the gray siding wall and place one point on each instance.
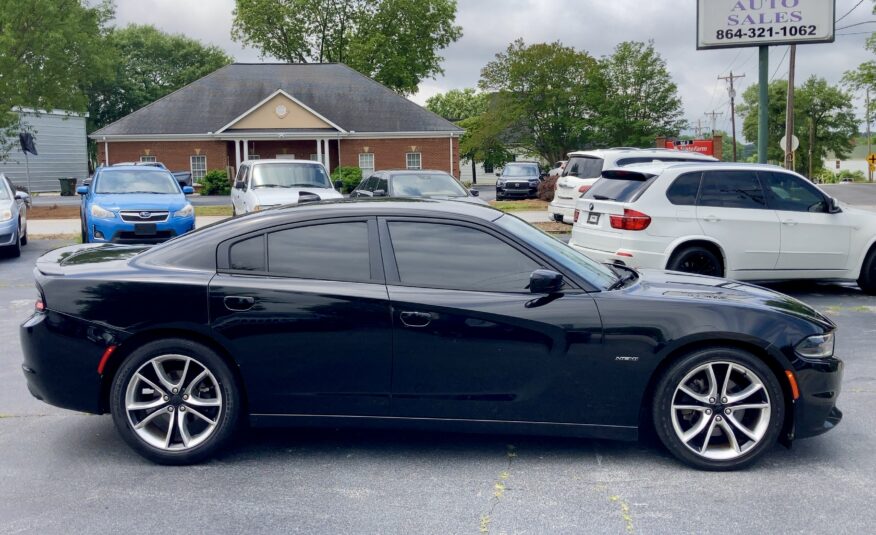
(62, 147)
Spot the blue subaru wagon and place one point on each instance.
(134, 204)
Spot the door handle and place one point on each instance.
(789, 222)
(415, 319)
(711, 219)
(239, 304)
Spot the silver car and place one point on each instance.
(13, 217)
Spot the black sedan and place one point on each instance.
(424, 314)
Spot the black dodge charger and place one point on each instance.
(419, 314)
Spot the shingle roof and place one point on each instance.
(344, 96)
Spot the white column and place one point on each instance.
(319, 150)
(106, 152)
(245, 149)
(236, 156)
(328, 156)
(451, 155)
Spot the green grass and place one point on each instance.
(519, 206)
(213, 211)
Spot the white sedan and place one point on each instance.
(262, 184)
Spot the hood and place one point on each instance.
(684, 286)
(281, 196)
(141, 201)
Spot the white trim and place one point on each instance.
(155, 137)
(451, 156)
(230, 136)
(319, 151)
(290, 97)
(236, 154)
(106, 153)
(65, 113)
(192, 165)
(401, 135)
(245, 149)
(328, 156)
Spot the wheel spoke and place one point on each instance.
(746, 393)
(182, 377)
(698, 397)
(708, 436)
(731, 436)
(145, 421)
(200, 377)
(726, 381)
(201, 416)
(745, 431)
(169, 430)
(146, 405)
(200, 402)
(752, 406)
(713, 382)
(162, 376)
(694, 431)
(183, 429)
(154, 386)
(698, 408)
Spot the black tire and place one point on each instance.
(24, 237)
(748, 453)
(500, 197)
(14, 250)
(867, 280)
(558, 218)
(697, 260)
(222, 386)
(83, 232)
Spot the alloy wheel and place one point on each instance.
(721, 410)
(173, 402)
(699, 264)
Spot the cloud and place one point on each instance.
(595, 26)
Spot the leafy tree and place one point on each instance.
(640, 100)
(543, 98)
(50, 52)
(396, 42)
(824, 121)
(148, 64)
(458, 104)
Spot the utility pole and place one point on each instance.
(763, 115)
(714, 117)
(789, 120)
(869, 139)
(732, 91)
(698, 129)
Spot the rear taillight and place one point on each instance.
(631, 220)
(39, 305)
(577, 213)
(584, 189)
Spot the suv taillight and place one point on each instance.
(39, 305)
(631, 220)
(584, 189)
(577, 213)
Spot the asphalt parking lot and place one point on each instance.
(64, 472)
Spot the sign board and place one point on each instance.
(701, 146)
(795, 143)
(738, 23)
(872, 159)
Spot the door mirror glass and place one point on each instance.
(82, 190)
(21, 196)
(188, 190)
(545, 281)
(339, 185)
(834, 206)
(474, 193)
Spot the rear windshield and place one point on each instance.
(145, 180)
(648, 159)
(426, 185)
(626, 188)
(520, 169)
(290, 175)
(584, 167)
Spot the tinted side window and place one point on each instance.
(584, 167)
(684, 190)
(248, 255)
(434, 255)
(731, 189)
(790, 193)
(335, 251)
(382, 184)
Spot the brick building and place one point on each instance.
(326, 112)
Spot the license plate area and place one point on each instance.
(145, 229)
(593, 219)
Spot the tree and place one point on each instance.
(148, 64)
(824, 120)
(396, 42)
(458, 104)
(640, 101)
(543, 99)
(50, 52)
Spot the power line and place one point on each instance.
(850, 11)
(858, 24)
(781, 61)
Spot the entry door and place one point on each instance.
(471, 342)
(305, 312)
(732, 209)
(812, 237)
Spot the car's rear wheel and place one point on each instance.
(14, 250)
(867, 280)
(718, 409)
(558, 218)
(175, 401)
(697, 260)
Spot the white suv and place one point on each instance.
(585, 167)
(740, 221)
(262, 184)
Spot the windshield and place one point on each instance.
(426, 185)
(597, 274)
(517, 169)
(626, 187)
(290, 175)
(584, 167)
(118, 181)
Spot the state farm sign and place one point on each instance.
(737, 23)
(701, 146)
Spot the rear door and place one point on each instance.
(732, 209)
(304, 310)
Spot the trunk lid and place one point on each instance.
(77, 259)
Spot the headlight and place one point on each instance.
(819, 346)
(5, 215)
(186, 211)
(533, 182)
(101, 213)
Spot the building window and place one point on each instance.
(488, 168)
(414, 160)
(148, 159)
(366, 163)
(199, 167)
(255, 157)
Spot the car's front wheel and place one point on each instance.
(175, 401)
(867, 280)
(696, 260)
(718, 409)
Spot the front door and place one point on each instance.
(304, 311)
(471, 342)
(238, 193)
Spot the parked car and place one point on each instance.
(518, 180)
(585, 167)
(263, 184)
(13, 217)
(183, 177)
(386, 312)
(410, 183)
(134, 204)
(557, 169)
(741, 221)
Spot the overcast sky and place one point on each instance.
(591, 25)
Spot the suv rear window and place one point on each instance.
(620, 186)
(684, 190)
(584, 167)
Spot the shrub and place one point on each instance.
(857, 176)
(350, 176)
(546, 188)
(215, 183)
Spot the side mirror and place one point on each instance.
(379, 193)
(188, 190)
(498, 173)
(834, 207)
(239, 184)
(545, 281)
(339, 185)
(21, 196)
(474, 192)
(82, 190)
